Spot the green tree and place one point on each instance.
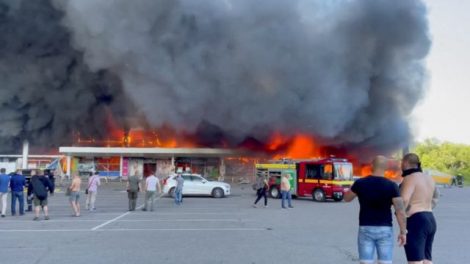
(445, 156)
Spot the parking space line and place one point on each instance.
(184, 220)
(56, 221)
(183, 229)
(130, 230)
(201, 213)
(109, 221)
(42, 230)
(121, 216)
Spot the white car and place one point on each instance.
(195, 184)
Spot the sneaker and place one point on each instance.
(46, 217)
(143, 209)
(291, 206)
(265, 206)
(284, 207)
(254, 206)
(36, 218)
(3, 216)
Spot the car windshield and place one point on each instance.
(186, 177)
(343, 171)
(196, 178)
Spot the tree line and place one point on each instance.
(447, 157)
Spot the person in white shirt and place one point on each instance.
(286, 191)
(91, 191)
(151, 185)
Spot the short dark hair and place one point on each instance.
(2, 170)
(412, 159)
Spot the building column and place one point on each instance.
(69, 163)
(120, 167)
(222, 170)
(173, 167)
(25, 155)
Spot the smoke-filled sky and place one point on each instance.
(346, 72)
(443, 113)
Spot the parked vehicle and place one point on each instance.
(320, 179)
(195, 184)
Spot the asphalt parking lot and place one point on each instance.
(207, 230)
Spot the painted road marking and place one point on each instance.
(121, 216)
(132, 230)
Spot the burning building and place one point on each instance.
(299, 76)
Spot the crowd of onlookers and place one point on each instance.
(38, 186)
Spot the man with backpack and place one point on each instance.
(38, 188)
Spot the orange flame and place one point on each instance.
(297, 147)
(393, 170)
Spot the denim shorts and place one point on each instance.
(373, 239)
(74, 196)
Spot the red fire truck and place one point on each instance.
(321, 179)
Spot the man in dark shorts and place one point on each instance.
(420, 195)
(376, 195)
(38, 188)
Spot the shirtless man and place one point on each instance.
(420, 196)
(75, 194)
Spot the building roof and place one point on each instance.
(146, 152)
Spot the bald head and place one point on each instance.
(379, 165)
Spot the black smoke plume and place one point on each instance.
(47, 92)
(346, 72)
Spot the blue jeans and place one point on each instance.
(14, 197)
(375, 238)
(286, 195)
(178, 196)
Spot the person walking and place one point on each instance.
(4, 184)
(261, 187)
(151, 185)
(92, 191)
(74, 197)
(376, 196)
(179, 189)
(17, 184)
(133, 188)
(38, 189)
(286, 191)
(420, 196)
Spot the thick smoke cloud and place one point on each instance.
(346, 72)
(47, 92)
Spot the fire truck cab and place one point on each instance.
(320, 179)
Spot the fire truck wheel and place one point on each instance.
(171, 193)
(218, 193)
(319, 195)
(274, 193)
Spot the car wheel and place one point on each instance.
(218, 193)
(171, 193)
(319, 195)
(274, 193)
